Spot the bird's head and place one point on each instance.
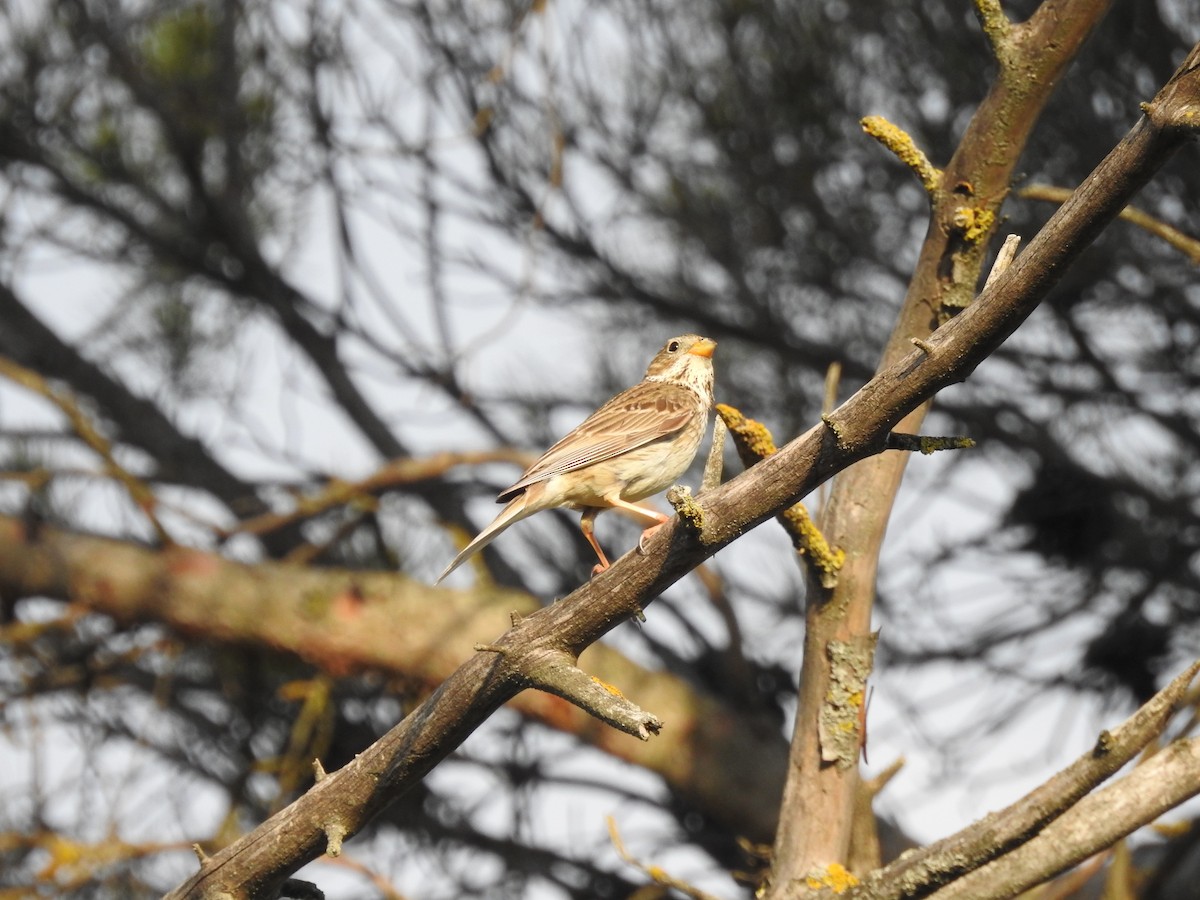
(685, 360)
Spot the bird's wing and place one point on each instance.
(646, 412)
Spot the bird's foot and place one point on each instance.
(598, 568)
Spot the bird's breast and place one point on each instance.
(633, 475)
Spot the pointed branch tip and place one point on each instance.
(900, 143)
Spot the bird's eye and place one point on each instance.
(672, 346)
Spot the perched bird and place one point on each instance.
(635, 445)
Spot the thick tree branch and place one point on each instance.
(262, 859)
(816, 818)
(348, 621)
(1098, 821)
(920, 872)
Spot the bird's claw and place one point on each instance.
(646, 535)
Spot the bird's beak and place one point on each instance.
(703, 348)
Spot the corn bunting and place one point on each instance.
(632, 447)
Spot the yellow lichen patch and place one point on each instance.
(685, 506)
(836, 877)
(974, 222)
(928, 445)
(611, 688)
(315, 604)
(808, 541)
(750, 437)
(483, 120)
(900, 143)
(754, 442)
(840, 720)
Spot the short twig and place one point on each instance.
(926, 444)
(1008, 252)
(716, 456)
(877, 783)
(556, 673)
(335, 833)
(902, 146)
(996, 27)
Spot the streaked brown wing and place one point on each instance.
(647, 412)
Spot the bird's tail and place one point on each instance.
(518, 508)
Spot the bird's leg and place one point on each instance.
(642, 514)
(586, 526)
